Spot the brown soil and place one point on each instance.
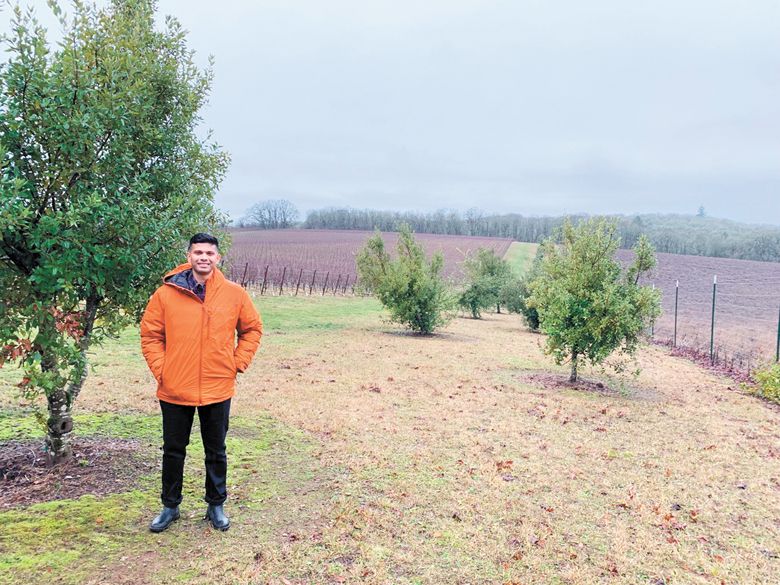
(550, 380)
(555, 381)
(99, 466)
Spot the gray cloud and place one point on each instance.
(523, 106)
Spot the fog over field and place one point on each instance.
(528, 107)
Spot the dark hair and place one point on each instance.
(201, 238)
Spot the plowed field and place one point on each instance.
(297, 254)
(747, 302)
(746, 305)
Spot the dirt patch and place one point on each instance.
(430, 337)
(555, 381)
(99, 466)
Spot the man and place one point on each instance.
(188, 337)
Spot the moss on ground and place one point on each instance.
(75, 538)
(68, 538)
(23, 423)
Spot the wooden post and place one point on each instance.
(265, 279)
(311, 286)
(243, 278)
(336, 286)
(326, 283)
(299, 282)
(281, 284)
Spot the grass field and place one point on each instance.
(362, 454)
(520, 256)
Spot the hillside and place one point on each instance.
(676, 234)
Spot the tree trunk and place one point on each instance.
(573, 377)
(59, 425)
(90, 314)
(58, 428)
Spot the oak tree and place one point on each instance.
(409, 286)
(587, 305)
(486, 275)
(103, 176)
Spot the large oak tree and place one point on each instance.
(102, 176)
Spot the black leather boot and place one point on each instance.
(167, 517)
(216, 515)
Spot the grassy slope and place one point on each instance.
(362, 454)
(520, 255)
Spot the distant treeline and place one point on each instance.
(677, 234)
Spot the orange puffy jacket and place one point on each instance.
(190, 345)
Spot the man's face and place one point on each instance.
(203, 257)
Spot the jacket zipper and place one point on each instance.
(200, 344)
(200, 369)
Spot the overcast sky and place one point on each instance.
(533, 107)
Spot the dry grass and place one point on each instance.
(440, 460)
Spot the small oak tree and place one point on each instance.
(516, 293)
(102, 178)
(486, 276)
(409, 286)
(587, 305)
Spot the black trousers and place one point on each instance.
(177, 424)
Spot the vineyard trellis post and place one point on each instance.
(243, 278)
(336, 286)
(712, 323)
(281, 283)
(311, 286)
(265, 279)
(676, 298)
(299, 282)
